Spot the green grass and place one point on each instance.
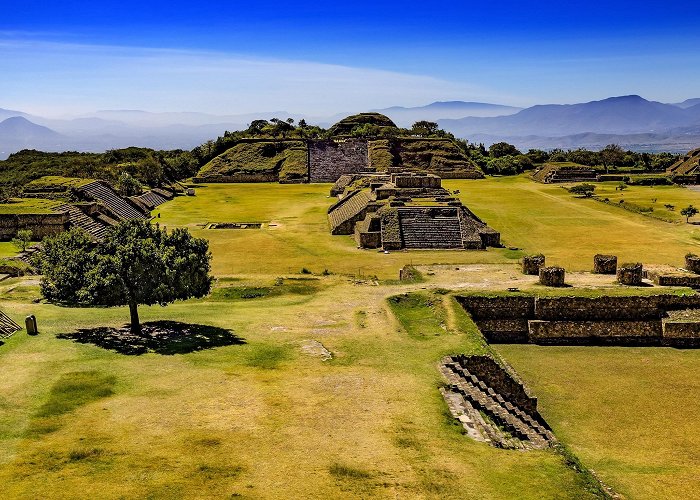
(650, 201)
(625, 412)
(288, 158)
(569, 231)
(265, 419)
(53, 181)
(28, 206)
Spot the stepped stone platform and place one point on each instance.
(79, 219)
(551, 173)
(103, 193)
(492, 405)
(405, 210)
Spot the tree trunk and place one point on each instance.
(135, 323)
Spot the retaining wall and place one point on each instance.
(41, 225)
(631, 320)
(329, 159)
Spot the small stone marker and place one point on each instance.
(30, 324)
(630, 274)
(552, 276)
(604, 264)
(532, 264)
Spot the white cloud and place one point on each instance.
(56, 78)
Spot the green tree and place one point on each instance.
(586, 190)
(22, 239)
(502, 149)
(424, 128)
(689, 212)
(135, 264)
(612, 155)
(126, 185)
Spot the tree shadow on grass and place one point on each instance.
(161, 337)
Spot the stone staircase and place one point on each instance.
(486, 415)
(77, 218)
(109, 198)
(349, 209)
(430, 228)
(152, 199)
(7, 326)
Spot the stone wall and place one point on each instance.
(41, 225)
(595, 332)
(329, 159)
(625, 320)
(216, 178)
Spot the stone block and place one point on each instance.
(605, 264)
(552, 276)
(532, 264)
(630, 274)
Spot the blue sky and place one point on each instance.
(326, 57)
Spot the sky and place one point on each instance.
(70, 57)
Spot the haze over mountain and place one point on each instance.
(631, 121)
(405, 117)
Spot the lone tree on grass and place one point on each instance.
(22, 240)
(585, 190)
(136, 263)
(689, 212)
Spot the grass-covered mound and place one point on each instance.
(284, 159)
(439, 156)
(146, 165)
(28, 206)
(351, 124)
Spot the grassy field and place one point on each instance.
(629, 413)
(266, 418)
(569, 231)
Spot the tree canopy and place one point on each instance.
(136, 263)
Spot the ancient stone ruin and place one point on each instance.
(630, 274)
(492, 404)
(692, 263)
(605, 264)
(687, 169)
(551, 173)
(325, 160)
(405, 211)
(532, 264)
(651, 320)
(552, 276)
(94, 206)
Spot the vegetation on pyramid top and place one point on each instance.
(364, 124)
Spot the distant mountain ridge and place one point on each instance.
(630, 121)
(406, 116)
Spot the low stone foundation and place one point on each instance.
(631, 320)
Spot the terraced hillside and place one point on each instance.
(258, 161)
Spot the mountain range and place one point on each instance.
(630, 121)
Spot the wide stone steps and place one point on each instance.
(506, 415)
(78, 219)
(116, 204)
(419, 230)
